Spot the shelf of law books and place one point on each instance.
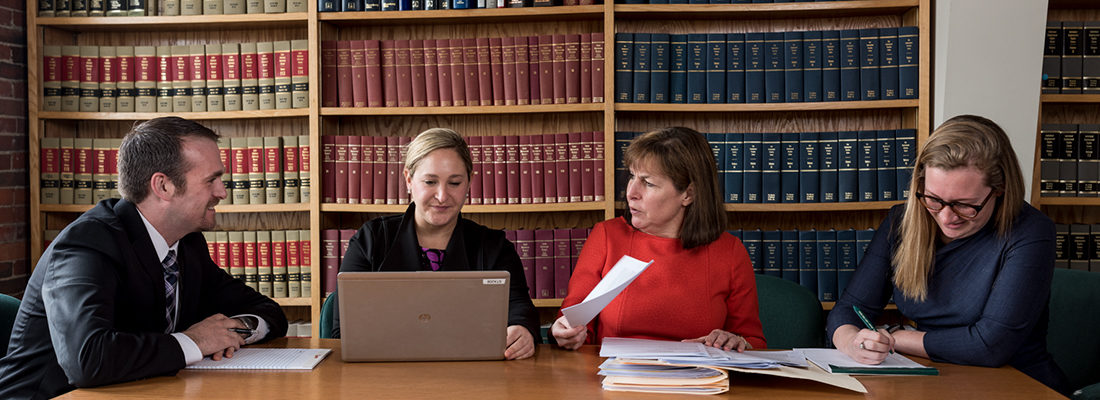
(116, 9)
(757, 9)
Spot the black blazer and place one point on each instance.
(93, 311)
(390, 244)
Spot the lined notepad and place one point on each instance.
(258, 358)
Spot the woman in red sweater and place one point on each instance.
(700, 286)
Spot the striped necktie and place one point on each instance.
(171, 277)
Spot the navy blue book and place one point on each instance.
(697, 68)
(677, 84)
(826, 265)
(327, 6)
(846, 258)
(869, 63)
(391, 5)
(774, 90)
(847, 177)
(716, 68)
(753, 241)
(863, 240)
(849, 65)
(811, 66)
(405, 5)
(736, 233)
(375, 5)
(830, 65)
(769, 170)
(867, 163)
(735, 68)
(624, 67)
(788, 169)
(808, 161)
(789, 263)
(827, 151)
(717, 142)
(735, 169)
(754, 67)
(658, 68)
(752, 157)
(887, 174)
(905, 153)
(888, 69)
(352, 5)
(640, 92)
(773, 253)
(793, 61)
(807, 259)
(908, 62)
(622, 173)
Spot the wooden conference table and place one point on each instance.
(552, 374)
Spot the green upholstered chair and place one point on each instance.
(9, 306)
(791, 314)
(328, 315)
(1073, 336)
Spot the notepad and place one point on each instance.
(259, 358)
(836, 362)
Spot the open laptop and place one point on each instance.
(423, 316)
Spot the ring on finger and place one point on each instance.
(862, 346)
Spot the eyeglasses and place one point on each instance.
(963, 210)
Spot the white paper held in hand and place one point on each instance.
(617, 279)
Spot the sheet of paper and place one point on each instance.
(260, 358)
(617, 279)
(825, 358)
(644, 348)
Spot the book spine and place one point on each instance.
(754, 68)
(484, 71)
(534, 67)
(340, 169)
(587, 168)
(299, 73)
(477, 191)
(380, 169)
(585, 62)
(273, 170)
(659, 68)
(1067, 159)
(255, 160)
(549, 162)
(390, 88)
(867, 162)
(523, 67)
(752, 159)
(850, 79)
(50, 167)
(789, 168)
(82, 174)
(231, 81)
(770, 184)
(239, 176)
(562, 269)
(905, 153)
(774, 87)
(250, 69)
(788, 255)
(544, 263)
(598, 166)
(561, 160)
(807, 259)
(1073, 50)
(576, 183)
(827, 265)
(525, 164)
(500, 169)
(869, 65)
(215, 92)
(641, 65)
(89, 78)
(753, 241)
(697, 68)
(735, 68)
(597, 67)
(108, 79)
(221, 250)
(291, 183)
(51, 77)
(525, 246)
(346, 74)
(236, 255)
(830, 65)
(548, 78)
(846, 259)
(418, 70)
(238, 6)
(624, 67)
(393, 168)
(179, 68)
(909, 62)
(279, 269)
(571, 73)
(809, 164)
(538, 170)
(274, 6)
(512, 169)
(282, 68)
(771, 253)
(263, 264)
(1088, 161)
(827, 146)
(374, 74)
(734, 171)
(677, 84)
(794, 61)
(293, 261)
(196, 70)
(212, 7)
(403, 58)
(354, 168)
(67, 167)
(457, 74)
(329, 74)
(716, 67)
(847, 166)
(1052, 58)
(101, 172)
(79, 8)
(811, 66)
(889, 86)
(330, 259)
(508, 71)
(187, 7)
(45, 8)
(304, 181)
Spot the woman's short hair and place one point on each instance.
(683, 155)
(155, 146)
(434, 139)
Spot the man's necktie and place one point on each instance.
(171, 276)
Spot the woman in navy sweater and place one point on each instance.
(965, 258)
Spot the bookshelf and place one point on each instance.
(318, 122)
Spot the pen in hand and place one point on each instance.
(243, 331)
(866, 322)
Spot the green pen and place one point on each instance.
(866, 321)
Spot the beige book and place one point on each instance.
(113, 145)
(225, 152)
(196, 65)
(51, 82)
(169, 7)
(89, 81)
(70, 78)
(273, 170)
(82, 173)
(265, 74)
(256, 193)
(282, 75)
(239, 151)
(164, 80)
(126, 69)
(293, 262)
(274, 6)
(306, 273)
(254, 6)
(108, 87)
(67, 154)
(136, 8)
(233, 7)
(251, 268)
(50, 167)
(277, 244)
(231, 76)
(296, 6)
(263, 263)
(299, 73)
(250, 97)
(145, 79)
(181, 80)
(222, 247)
(290, 152)
(215, 94)
(190, 7)
(304, 168)
(236, 255)
(101, 173)
(212, 7)
(211, 242)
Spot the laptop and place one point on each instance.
(423, 315)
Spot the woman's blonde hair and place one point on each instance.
(960, 142)
(434, 139)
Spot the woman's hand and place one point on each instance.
(520, 343)
(864, 345)
(568, 337)
(723, 340)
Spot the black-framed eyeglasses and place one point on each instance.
(963, 210)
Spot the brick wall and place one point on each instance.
(14, 210)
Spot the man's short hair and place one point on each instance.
(156, 146)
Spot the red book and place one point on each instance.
(250, 74)
(508, 62)
(403, 59)
(50, 168)
(345, 239)
(458, 73)
(366, 170)
(523, 83)
(358, 73)
(330, 259)
(284, 75)
(328, 169)
(558, 63)
(239, 174)
(443, 71)
(402, 186)
(561, 161)
(340, 154)
(381, 169)
(597, 166)
(215, 90)
(236, 254)
(586, 67)
(83, 175)
(577, 237)
(67, 183)
(575, 181)
(496, 66)
(373, 54)
(431, 73)
(511, 166)
(525, 246)
(89, 80)
(544, 263)
(597, 67)
(562, 270)
(221, 252)
(419, 89)
(231, 76)
(304, 249)
(291, 163)
(355, 151)
(588, 167)
(546, 70)
(469, 65)
(572, 69)
(488, 171)
(250, 273)
(304, 185)
(51, 79)
(549, 164)
(343, 72)
(393, 167)
(299, 74)
(525, 177)
(389, 73)
(255, 160)
(537, 170)
(534, 65)
(329, 81)
(108, 74)
(476, 192)
(265, 74)
(500, 169)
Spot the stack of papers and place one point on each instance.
(834, 361)
(656, 377)
(262, 358)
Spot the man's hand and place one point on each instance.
(214, 336)
(520, 343)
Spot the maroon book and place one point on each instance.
(393, 162)
(345, 240)
(419, 91)
(562, 270)
(550, 168)
(355, 177)
(359, 73)
(476, 192)
(544, 263)
(598, 166)
(343, 73)
(561, 161)
(484, 72)
(366, 170)
(576, 184)
(523, 84)
(373, 51)
(511, 166)
(329, 74)
(381, 169)
(458, 73)
(588, 167)
(537, 170)
(525, 169)
(389, 73)
(402, 186)
(533, 68)
(330, 258)
(586, 67)
(469, 65)
(572, 69)
(525, 246)
(404, 73)
(496, 65)
(597, 67)
(577, 237)
(443, 71)
(500, 169)
(546, 70)
(559, 62)
(431, 74)
(340, 148)
(508, 63)
(488, 171)
(328, 169)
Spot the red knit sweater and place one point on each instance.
(684, 295)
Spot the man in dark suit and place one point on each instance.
(128, 290)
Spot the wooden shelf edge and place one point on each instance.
(463, 16)
(294, 301)
(829, 8)
(116, 116)
(547, 303)
(531, 109)
(1069, 201)
(471, 208)
(1069, 98)
(758, 107)
(65, 208)
(808, 207)
(177, 21)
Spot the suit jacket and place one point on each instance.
(94, 309)
(390, 244)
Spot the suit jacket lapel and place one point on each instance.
(190, 284)
(404, 251)
(143, 250)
